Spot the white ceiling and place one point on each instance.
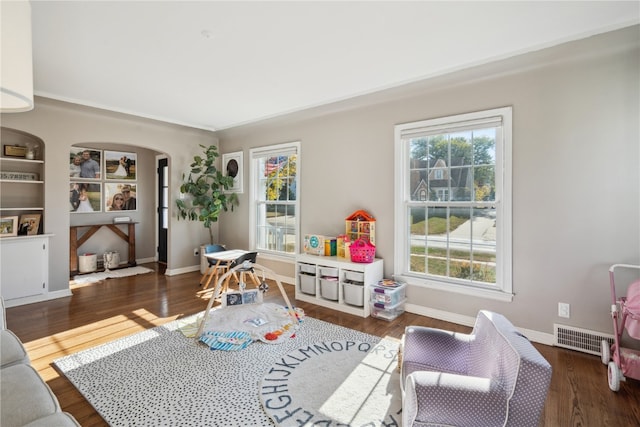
(215, 65)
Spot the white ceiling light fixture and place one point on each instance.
(16, 75)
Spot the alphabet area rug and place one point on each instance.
(335, 383)
(160, 377)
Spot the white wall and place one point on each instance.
(576, 180)
(62, 125)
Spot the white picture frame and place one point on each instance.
(9, 226)
(114, 190)
(78, 171)
(232, 165)
(85, 197)
(120, 165)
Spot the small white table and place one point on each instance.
(223, 260)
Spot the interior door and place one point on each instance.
(163, 208)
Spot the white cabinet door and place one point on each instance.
(24, 264)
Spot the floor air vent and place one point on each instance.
(579, 339)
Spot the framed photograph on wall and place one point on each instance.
(8, 226)
(232, 166)
(120, 165)
(85, 197)
(84, 163)
(120, 196)
(29, 224)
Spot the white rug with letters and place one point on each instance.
(159, 377)
(335, 382)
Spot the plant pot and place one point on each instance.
(204, 262)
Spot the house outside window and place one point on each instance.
(274, 199)
(453, 203)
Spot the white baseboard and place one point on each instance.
(182, 270)
(38, 298)
(285, 280)
(535, 336)
(146, 260)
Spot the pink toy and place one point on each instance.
(625, 312)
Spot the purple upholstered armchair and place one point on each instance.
(490, 377)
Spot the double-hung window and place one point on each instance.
(274, 199)
(453, 203)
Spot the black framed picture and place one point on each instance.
(29, 224)
(232, 166)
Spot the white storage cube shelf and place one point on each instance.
(337, 283)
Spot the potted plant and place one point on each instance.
(205, 187)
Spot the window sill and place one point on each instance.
(497, 295)
(272, 256)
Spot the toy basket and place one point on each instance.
(362, 251)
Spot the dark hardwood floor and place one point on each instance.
(101, 312)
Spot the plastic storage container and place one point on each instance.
(387, 312)
(329, 288)
(388, 295)
(354, 294)
(307, 268)
(354, 276)
(308, 284)
(328, 271)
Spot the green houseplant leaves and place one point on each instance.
(205, 186)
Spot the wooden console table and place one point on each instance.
(75, 242)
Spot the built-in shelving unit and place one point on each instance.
(21, 178)
(24, 275)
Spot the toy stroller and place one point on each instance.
(625, 312)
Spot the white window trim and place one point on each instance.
(503, 203)
(253, 185)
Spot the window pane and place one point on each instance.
(484, 245)
(437, 241)
(461, 149)
(484, 147)
(461, 183)
(278, 230)
(417, 248)
(165, 197)
(165, 176)
(484, 178)
(460, 225)
(165, 218)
